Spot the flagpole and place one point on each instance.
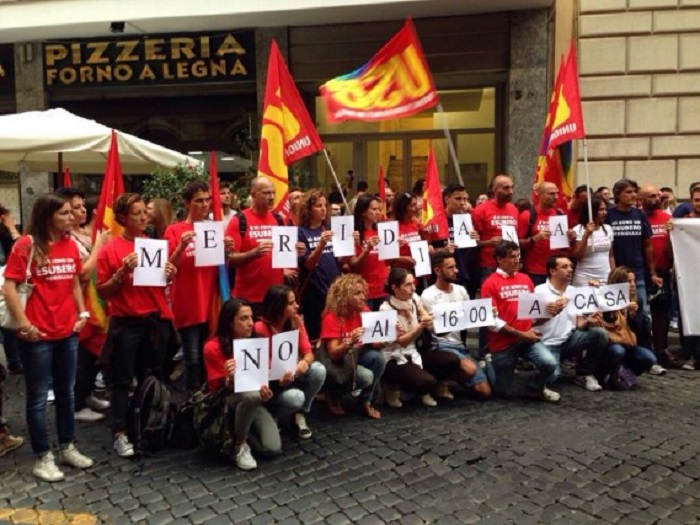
(340, 188)
(588, 180)
(450, 145)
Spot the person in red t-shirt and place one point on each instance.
(341, 332)
(295, 392)
(48, 327)
(511, 338)
(194, 287)
(406, 212)
(578, 202)
(366, 261)
(252, 419)
(536, 239)
(140, 324)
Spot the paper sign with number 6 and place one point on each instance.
(449, 317)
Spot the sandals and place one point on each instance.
(371, 412)
(334, 405)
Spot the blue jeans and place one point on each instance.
(503, 363)
(461, 352)
(193, 339)
(43, 360)
(594, 341)
(642, 298)
(298, 395)
(637, 359)
(375, 362)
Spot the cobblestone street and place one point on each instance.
(618, 457)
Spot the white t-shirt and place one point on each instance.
(432, 296)
(559, 328)
(596, 261)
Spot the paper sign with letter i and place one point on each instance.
(509, 233)
(285, 354)
(420, 254)
(343, 240)
(388, 233)
(152, 256)
(558, 225)
(252, 364)
(209, 243)
(284, 250)
(462, 227)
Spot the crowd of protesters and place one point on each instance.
(58, 347)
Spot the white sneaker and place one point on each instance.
(96, 403)
(690, 365)
(122, 446)
(428, 400)
(302, 427)
(88, 415)
(590, 383)
(51, 397)
(550, 396)
(46, 470)
(657, 370)
(673, 325)
(99, 381)
(444, 391)
(244, 458)
(71, 457)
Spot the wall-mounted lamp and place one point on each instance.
(117, 27)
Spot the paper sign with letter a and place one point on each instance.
(449, 317)
(285, 354)
(532, 306)
(284, 250)
(558, 225)
(509, 233)
(209, 243)
(462, 227)
(343, 240)
(478, 313)
(252, 364)
(152, 256)
(388, 233)
(582, 300)
(613, 297)
(380, 327)
(421, 254)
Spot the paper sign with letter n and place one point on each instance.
(558, 226)
(462, 226)
(613, 297)
(209, 243)
(343, 240)
(420, 253)
(380, 327)
(285, 354)
(252, 364)
(152, 256)
(284, 250)
(388, 233)
(583, 300)
(532, 306)
(449, 317)
(509, 233)
(478, 313)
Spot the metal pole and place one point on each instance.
(340, 188)
(450, 145)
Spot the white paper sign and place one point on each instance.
(152, 256)
(421, 254)
(388, 247)
(380, 327)
(449, 317)
(685, 238)
(462, 227)
(613, 297)
(284, 251)
(509, 233)
(532, 306)
(252, 364)
(582, 300)
(478, 313)
(558, 226)
(209, 243)
(343, 240)
(285, 354)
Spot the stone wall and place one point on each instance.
(639, 70)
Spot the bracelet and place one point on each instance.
(28, 331)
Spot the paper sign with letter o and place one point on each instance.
(285, 354)
(152, 256)
(613, 297)
(252, 364)
(209, 243)
(533, 306)
(380, 327)
(284, 250)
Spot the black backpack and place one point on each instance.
(150, 416)
(533, 218)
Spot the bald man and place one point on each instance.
(534, 233)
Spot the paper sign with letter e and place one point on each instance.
(478, 313)
(613, 297)
(284, 250)
(532, 306)
(285, 354)
(449, 317)
(462, 226)
(388, 233)
(252, 364)
(209, 243)
(380, 327)
(558, 225)
(421, 254)
(509, 234)
(343, 240)
(582, 300)
(152, 256)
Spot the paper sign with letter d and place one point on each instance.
(388, 233)
(208, 243)
(380, 327)
(252, 364)
(285, 354)
(152, 256)
(284, 251)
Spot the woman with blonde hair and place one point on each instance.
(351, 366)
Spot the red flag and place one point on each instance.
(568, 118)
(288, 133)
(433, 215)
(382, 193)
(66, 177)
